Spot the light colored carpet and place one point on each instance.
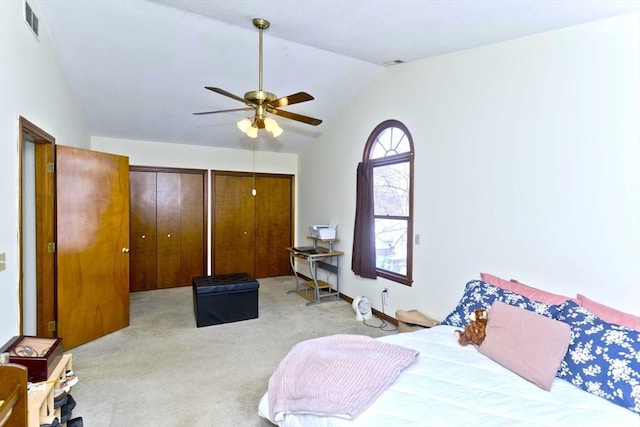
(164, 371)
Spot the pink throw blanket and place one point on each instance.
(338, 375)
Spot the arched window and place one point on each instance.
(390, 152)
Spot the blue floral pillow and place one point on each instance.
(481, 295)
(603, 358)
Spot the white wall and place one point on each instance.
(145, 153)
(32, 85)
(527, 166)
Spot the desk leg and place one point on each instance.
(314, 276)
(292, 262)
(337, 278)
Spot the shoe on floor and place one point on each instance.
(71, 403)
(72, 378)
(64, 385)
(75, 422)
(53, 423)
(65, 413)
(59, 398)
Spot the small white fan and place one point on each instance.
(362, 307)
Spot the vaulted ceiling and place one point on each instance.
(138, 68)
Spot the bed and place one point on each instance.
(450, 384)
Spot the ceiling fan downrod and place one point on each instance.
(261, 24)
(259, 96)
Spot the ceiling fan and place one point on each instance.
(263, 102)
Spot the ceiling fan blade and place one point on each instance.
(294, 116)
(229, 95)
(290, 100)
(223, 111)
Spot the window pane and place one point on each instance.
(391, 189)
(390, 142)
(391, 245)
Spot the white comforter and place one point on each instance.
(450, 385)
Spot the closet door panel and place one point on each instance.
(274, 220)
(143, 230)
(192, 227)
(233, 246)
(168, 223)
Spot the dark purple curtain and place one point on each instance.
(363, 261)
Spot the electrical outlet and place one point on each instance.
(385, 297)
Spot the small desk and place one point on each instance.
(317, 257)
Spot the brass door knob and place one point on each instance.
(125, 250)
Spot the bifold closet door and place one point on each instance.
(192, 227)
(168, 227)
(233, 228)
(143, 230)
(274, 225)
(169, 233)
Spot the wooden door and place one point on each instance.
(274, 225)
(92, 207)
(233, 224)
(143, 257)
(169, 234)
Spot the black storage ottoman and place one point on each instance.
(224, 298)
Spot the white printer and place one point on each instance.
(324, 232)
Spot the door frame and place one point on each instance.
(44, 191)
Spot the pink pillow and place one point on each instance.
(526, 343)
(609, 314)
(522, 289)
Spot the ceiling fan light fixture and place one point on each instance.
(244, 125)
(277, 131)
(272, 126)
(252, 131)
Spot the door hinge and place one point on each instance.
(51, 326)
(51, 248)
(51, 167)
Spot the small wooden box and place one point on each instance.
(39, 355)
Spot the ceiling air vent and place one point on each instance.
(394, 62)
(31, 18)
